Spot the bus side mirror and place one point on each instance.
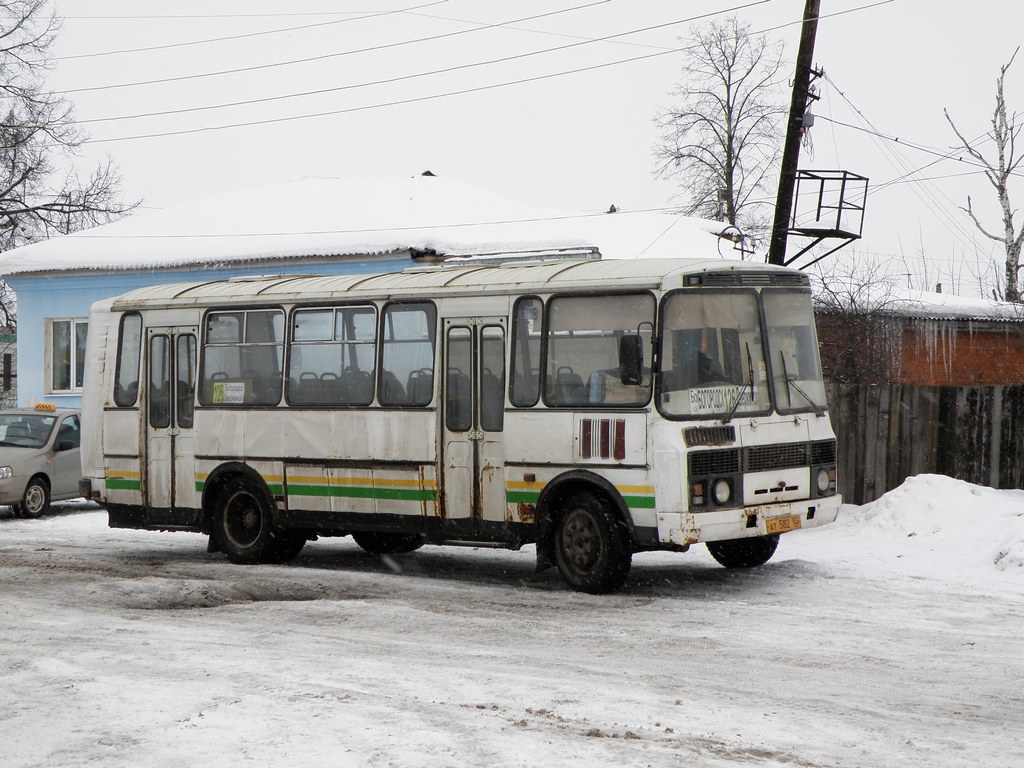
(631, 359)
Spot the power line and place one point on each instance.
(387, 81)
(90, 235)
(922, 191)
(247, 35)
(206, 16)
(492, 86)
(387, 46)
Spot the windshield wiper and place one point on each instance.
(748, 383)
(791, 384)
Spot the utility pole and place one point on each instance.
(791, 149)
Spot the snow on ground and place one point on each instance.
(893, 638)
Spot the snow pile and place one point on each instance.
(944, 524)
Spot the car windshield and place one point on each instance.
(793, 352)
(25, 430)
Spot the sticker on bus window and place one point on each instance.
(720, 399)
(229, 392)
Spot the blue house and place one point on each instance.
(312, 226)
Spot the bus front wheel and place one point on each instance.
(591, 545)
(744, 553)
(243, 527)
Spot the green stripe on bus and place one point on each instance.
(532, 497)
(522, 497)
(639, 502)
(363, 492)
(123, 484)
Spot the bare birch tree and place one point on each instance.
(721, 138)
(1004, 133)
(40, 192)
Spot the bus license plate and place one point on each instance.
(782, 524)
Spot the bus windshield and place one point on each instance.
(793, 352)
(712, 359)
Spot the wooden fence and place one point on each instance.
(887, 433)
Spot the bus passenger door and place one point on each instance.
(474, 414)
(169, 407)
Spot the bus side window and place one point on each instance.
(407, 346)
(527, 319)
(129, 349)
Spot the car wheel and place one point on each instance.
(36, 499)
(744, 553)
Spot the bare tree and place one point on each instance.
(40, 193)
(855, 311)
(721, 139)
(1004, 133)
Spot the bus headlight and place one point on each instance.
(6, 473)
(722, 491)
(824, 481)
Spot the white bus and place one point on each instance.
(593, 408)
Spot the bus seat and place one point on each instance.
(421, 387)
(392, 391)
(568, 387)
(358, 385)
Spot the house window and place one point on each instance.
(67, 354)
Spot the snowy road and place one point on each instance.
(890, 639)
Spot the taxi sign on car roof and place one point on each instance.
(46, 407)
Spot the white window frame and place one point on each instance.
(72, 362)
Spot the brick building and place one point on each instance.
(923, 339)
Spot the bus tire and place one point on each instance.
(744, 553)
(591, 545)
(36, 499)
(243, 525)
(380, 543)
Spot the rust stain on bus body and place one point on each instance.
(527, 512)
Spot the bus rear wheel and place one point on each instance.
(744, 553)
(243, 526)
(591, 545)
(380, 543)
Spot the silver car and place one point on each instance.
(39, 457)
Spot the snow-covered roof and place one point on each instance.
(358, 217)
(922, 305)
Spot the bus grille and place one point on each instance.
(761, 458)
(695, 436)
(728, 279)
(782, 456)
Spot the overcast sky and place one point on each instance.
(562, 139)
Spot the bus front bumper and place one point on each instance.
(682, 529)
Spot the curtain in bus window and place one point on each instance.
(584, 350)
(407, 353)
(526, 342)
